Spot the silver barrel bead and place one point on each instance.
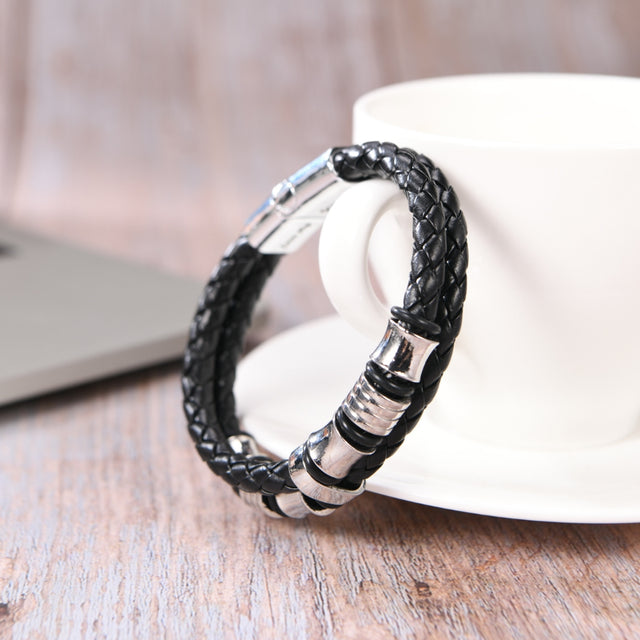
(331, 452)
(292, 505)
(310, 487)
(295, 505)
(402, 352)
(255, 500)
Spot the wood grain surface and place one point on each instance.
(150, 130)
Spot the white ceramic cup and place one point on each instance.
(547, 171)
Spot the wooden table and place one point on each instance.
(151, 131)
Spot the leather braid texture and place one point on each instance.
(437, 279)
(433, 302)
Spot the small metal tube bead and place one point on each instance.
(331, 452)
(402, 352)
(311, 488)
(243, 444)
(293, 505)
(255, 500)
(372, 411)
(323, 513)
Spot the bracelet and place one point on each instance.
(403, 372)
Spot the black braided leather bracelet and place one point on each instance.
(403, 373)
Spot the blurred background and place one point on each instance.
(151, 130)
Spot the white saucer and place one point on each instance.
(292, 384)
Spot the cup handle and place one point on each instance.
(366, 222)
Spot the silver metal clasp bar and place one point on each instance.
(296, 208)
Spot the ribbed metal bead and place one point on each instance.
(372, 411)
(402, 352)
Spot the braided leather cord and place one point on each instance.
(435, 294)
(437, 280)
(213, 350)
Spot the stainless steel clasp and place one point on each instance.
(296, 208)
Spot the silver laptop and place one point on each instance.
(69, 316)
